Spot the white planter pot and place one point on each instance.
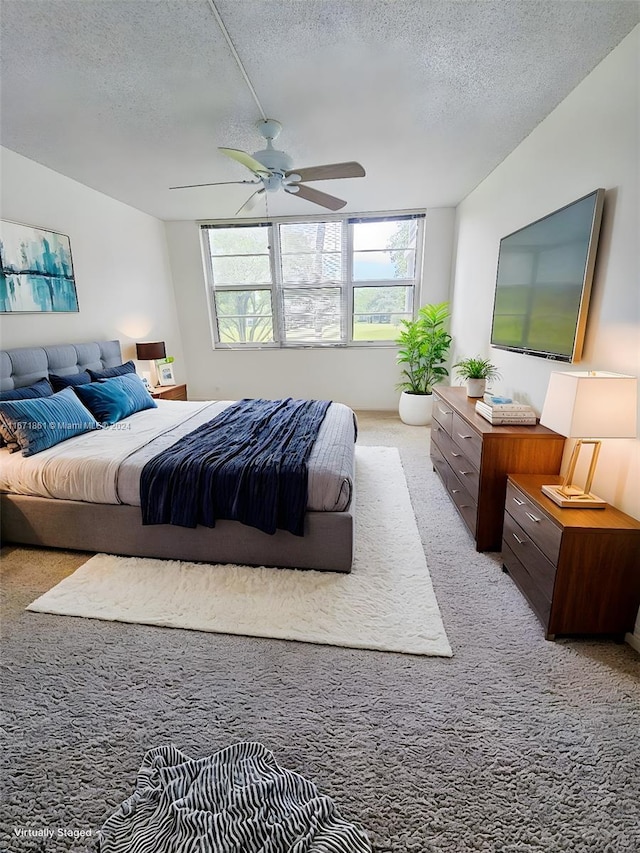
(476, 387)
(415, 409)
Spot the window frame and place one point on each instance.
(277, 286)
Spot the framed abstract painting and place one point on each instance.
(37, 271)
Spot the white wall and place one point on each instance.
(119, 257)
(364, 378)
(590, 140)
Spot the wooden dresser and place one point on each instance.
(579, 569)
(473, 459)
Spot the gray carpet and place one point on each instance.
(514, 745)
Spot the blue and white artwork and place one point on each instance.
(37, 270)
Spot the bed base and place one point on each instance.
(327, 544)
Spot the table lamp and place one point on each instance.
(588, 406)
(151, 351)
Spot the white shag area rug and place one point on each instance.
(386, 603)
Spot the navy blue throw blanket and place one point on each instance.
(248, 464)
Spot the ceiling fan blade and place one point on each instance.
(329, 171)
(246, 160)
(215, 184)
(310, 194)
(251, 202)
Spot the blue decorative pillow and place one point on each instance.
(60, 382)
(110, 372)
(41, 423)
(41, 388)
(111, 400)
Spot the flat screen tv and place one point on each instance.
(544, 280)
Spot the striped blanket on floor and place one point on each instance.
(236, 801)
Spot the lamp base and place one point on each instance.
(579, 500)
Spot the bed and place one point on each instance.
(84, 493)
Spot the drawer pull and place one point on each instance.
(464, 436)
(466, 473)
(454, 491)
(517, 538)
(445, 411)
(533, 517)
(465, 506)
(455, 455)
(517, 501)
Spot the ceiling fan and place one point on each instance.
(272, 172)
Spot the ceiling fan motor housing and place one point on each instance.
(274, 160)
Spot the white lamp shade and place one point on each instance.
(591, 405)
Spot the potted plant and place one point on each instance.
(424, 345)
(475, 371)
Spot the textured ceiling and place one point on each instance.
(133, 96)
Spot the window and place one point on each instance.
(334, 281)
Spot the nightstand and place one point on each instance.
(579, 569)
(170, 392)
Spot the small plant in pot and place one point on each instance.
(475, 371)
(424, 346)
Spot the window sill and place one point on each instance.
(281, 347)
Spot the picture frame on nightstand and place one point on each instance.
(165, 374)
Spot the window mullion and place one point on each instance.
(348, 285)
(418, 282)
(276, 273)
(211, 292)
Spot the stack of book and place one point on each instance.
(502, 410)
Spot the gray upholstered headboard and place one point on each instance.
(25, 365)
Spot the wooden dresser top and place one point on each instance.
(456, 397)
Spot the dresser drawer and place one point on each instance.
(442, 413)
(537, 565)
(461, 465)
(439, 434)
(465, 504)
(467, 439)
(527, 584)
(438, 461)
(534, 522)
(463, 469)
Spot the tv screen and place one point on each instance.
(544, 280)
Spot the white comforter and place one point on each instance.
(86, 468)
(104, 466)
